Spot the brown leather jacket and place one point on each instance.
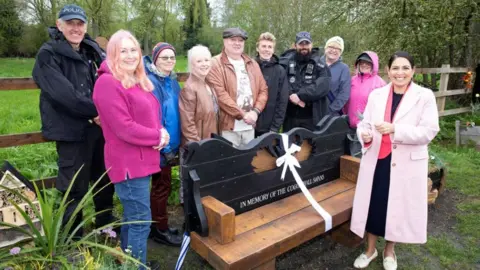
(223, 79)
(197, 116)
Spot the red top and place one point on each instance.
(386, 145)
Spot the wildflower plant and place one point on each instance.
(56, 246)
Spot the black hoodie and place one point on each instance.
(271, 118)
(66, 79)
(312, 91)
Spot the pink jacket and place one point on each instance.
(131, 127)
(416, 124)
(361, 86)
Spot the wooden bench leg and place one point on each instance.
(345, 237)
(270, 265)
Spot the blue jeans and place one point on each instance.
(134, 195)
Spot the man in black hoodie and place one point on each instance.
(271, 118)
(309, 80)
(65, 71)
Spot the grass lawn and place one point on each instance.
(454, 231)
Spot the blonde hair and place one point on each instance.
(113, 55)
(267, 36)
(197, 50)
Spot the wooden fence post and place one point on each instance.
(443, 87)
(457, 132)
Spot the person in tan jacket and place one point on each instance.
(240, 87)
(198, 102)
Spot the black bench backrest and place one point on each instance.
(213, 167)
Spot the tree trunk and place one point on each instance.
(451, 46)
(468, 40)
(95, 28)
(146, 42)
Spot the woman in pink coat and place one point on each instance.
(362, 84)
(390, 201)
(130, 120)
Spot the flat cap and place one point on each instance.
(235, 32)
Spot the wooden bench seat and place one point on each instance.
(260, 235)
(242, 211)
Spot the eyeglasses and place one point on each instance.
(165, 58)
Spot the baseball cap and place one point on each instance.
(70, 12)
(303, 36)
(364, 57)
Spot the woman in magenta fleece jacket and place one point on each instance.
(129, 116)
(362, 84)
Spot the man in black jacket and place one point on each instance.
(271, 118)
(309, 80)
(65, 70)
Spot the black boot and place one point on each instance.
(166, 237)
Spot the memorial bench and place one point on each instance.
(242, 215)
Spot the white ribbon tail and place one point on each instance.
(289, 160)
(323, 213)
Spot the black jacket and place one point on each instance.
(311, 88)
(271, 118)
(66, 79)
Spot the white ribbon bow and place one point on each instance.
(290, 161)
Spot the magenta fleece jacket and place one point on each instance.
(131, 127)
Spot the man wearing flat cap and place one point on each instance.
(241, 90)
(309, 81)
(65, 71)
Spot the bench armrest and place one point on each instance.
(220, 219)
(349, 167)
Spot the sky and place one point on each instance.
(216, 6)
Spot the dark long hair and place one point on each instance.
(401, 54)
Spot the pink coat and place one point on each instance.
(416, 124)
(131, 126)
(361, 86)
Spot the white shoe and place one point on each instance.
(363, 261)
(390, 263)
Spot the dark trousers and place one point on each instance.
(293, 122)
(161, 186)
(89, 154)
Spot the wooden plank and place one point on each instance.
(29, 84)
(279, 209)
(21, 139)
(349, 167)
(45, 183)
(221, 220)
(256, 247)
(455, 111)
(270, 265)
(182, 76)
(442, 89)
(345, 237)
(453, 92)
(17, 84)
(443, 69)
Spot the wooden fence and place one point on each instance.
(8, 84)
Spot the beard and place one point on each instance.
(303, 55)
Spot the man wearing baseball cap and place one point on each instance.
(340, 84)
(65, 71)
(241, 90)
(309, 84)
